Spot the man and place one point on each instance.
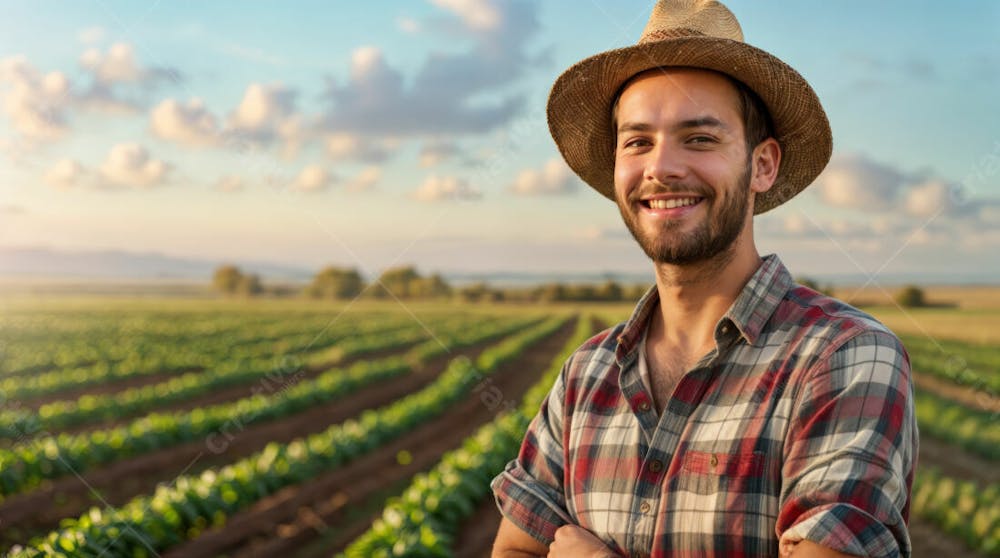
(735, 413)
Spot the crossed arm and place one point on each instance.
(575, 542)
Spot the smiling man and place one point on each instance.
(735, 413)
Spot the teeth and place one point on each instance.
(670, 204)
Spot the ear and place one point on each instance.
(765, 160)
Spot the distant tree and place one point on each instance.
(249, 285)
(552, 292)
(480, 292)
(432, 287)
(635, 292)
(610, 291)
(226, 279)
(400, 281)
(911, 296)
(335, 282)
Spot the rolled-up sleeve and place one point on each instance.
(529, 492)
(851, 450)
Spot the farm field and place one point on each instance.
(194, 427)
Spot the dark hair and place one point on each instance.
(757, 125)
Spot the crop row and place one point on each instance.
(90, 408)
(965, 364)
(26, 465)
(168, 358)
(960, 508)
(149, 524)
(977, 432)
(425, 518)
(72, 341)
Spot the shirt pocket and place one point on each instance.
(724, 466)
(731, 497)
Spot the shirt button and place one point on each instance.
(714, 460)
(656, 465)
(725, 329)
(644, 507)
(644, 406)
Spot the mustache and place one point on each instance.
(649, 189)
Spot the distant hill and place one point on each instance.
(119, 264)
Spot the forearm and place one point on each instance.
(809, 549)
(512, 542)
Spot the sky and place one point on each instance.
(383, 133)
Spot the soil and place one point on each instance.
(969, 396)
(240, 390)
(40, 510)
(290, 519)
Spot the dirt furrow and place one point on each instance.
(118, 482)
(979, 399)
(291, 518)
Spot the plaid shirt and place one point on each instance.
(798, 425)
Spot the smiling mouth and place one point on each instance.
(670, 203)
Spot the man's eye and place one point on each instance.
(638, 142)
(702, 139)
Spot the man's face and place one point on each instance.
(682, 173)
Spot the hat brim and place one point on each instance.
(580, 103)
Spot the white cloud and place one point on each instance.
(930, 198)
(448, 92)
(477, 14)
(312, 178)
(366, 61)
(120, 65)
(36, 103)
(365, 180)
(91, 35)
(67, 173)
(854, 181)
(130, 164)
(189, 124)
(266, 113)
(554, 178)
(437, 188)
(344, 145)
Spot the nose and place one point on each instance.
(664, 164)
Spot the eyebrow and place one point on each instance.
(699, 122)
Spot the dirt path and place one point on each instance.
(118, 482)
(929, 542)
(240, 390)
(288, 520)
(106, 387)
(971, 397)
(956, 463)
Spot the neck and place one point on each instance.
(694, 297)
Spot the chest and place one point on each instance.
(636, 475)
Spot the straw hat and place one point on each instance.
(699, 34)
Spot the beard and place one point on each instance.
(713, 236)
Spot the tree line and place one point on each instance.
(405, 282)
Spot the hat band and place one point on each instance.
(663, 34)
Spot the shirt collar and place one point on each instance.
(752, 308)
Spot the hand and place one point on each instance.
(572, 541)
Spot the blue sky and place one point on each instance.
(373, 134)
